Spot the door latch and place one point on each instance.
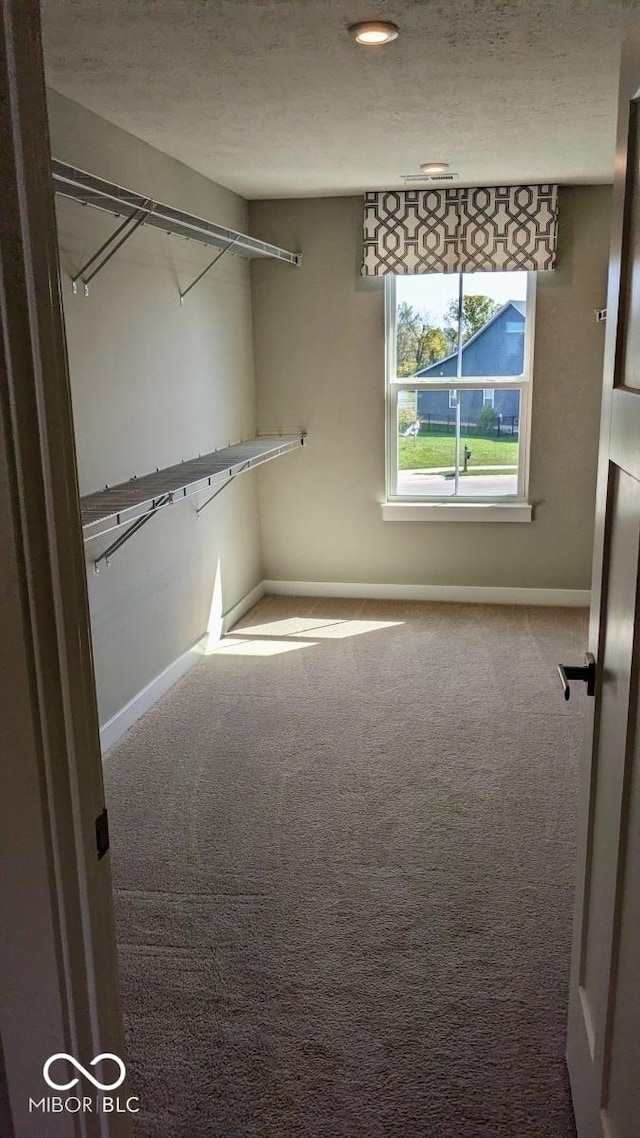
(102, 833)
(586, 673)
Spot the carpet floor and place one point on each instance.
(343, 859)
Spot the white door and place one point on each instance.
(603, 1045)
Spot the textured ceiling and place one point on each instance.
(272, 99)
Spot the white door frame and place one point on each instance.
(59, 990)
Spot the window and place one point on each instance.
(458, 387)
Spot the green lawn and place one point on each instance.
(439, 450)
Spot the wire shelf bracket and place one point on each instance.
(110, 247)
(221, 488)
(70, 182)
(108, 553)
(218, 257)
(132, 504)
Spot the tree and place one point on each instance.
(476, 312)
(407, 331)
(432, 346)
(418, 341)
(487, 419)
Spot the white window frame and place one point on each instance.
(489, 398)
(503, 507)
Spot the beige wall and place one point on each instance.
(319, 350)
(154, 383)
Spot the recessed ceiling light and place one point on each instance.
(434, 167)
(373, 32)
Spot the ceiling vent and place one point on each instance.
(424, 179)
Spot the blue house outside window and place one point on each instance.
(497, 349)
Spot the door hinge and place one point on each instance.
(102, 833)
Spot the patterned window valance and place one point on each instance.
(493, 228)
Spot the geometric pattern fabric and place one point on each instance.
(460, 230)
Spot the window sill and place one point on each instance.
(457, 512)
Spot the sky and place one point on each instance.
(434, 291)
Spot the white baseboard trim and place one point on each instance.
(237, 611)
(111, 731)
(464, 594)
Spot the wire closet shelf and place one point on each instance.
(134, 503)
(136, 210)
